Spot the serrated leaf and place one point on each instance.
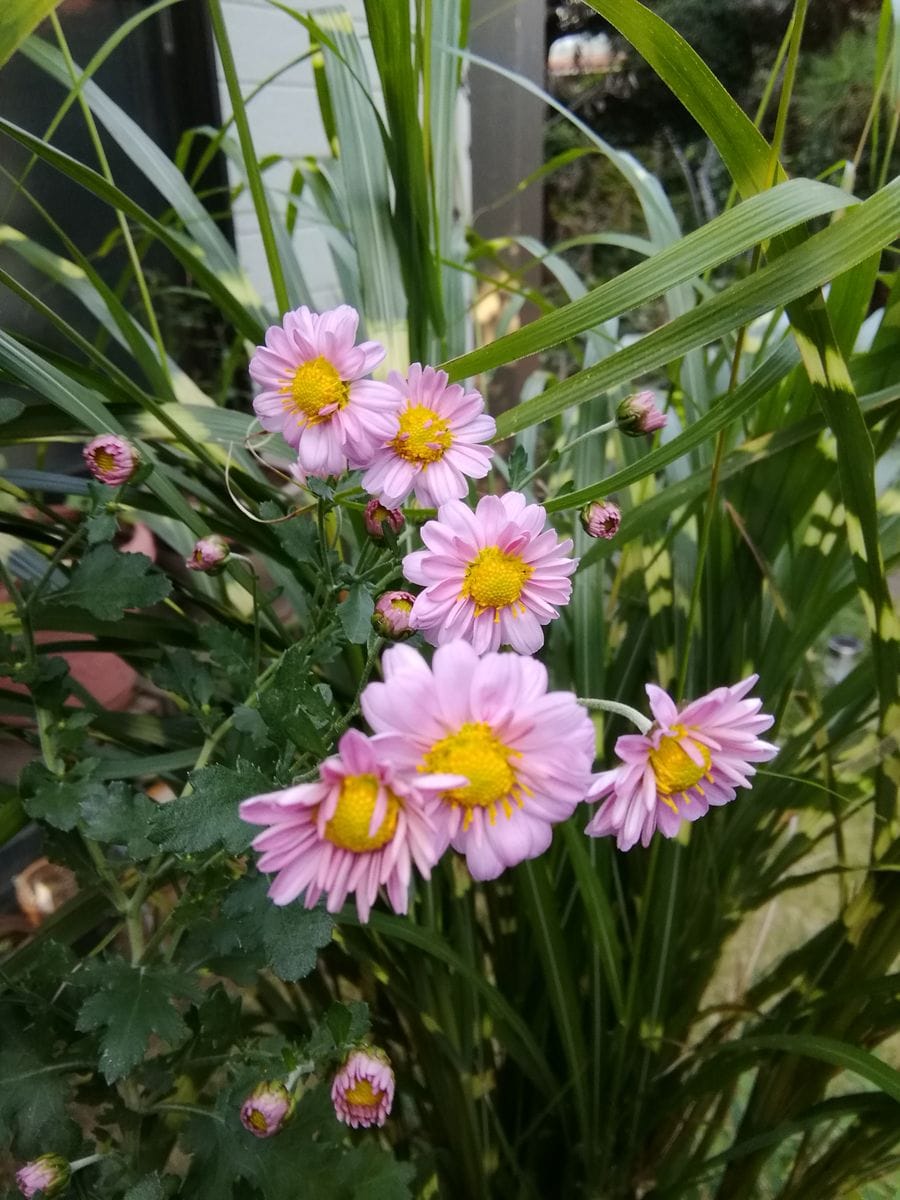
(181, 674)
(292, 706)
(286, 939)
(100, 527)
(150, 1188)
(105, 583)
(249, 720)
(355, 614)
(133, 1004)
(53, 798)
(209, 815)
(118, 815)
(517, 465)
(299, 537)
(33, 1094)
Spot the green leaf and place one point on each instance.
(33, 1092)
(17, 19)
(287, 938)
(101, 527)
(105, 583)
(120, 816)
(149, 1188)
(826, 1049)
(208, 815)
(293, 708)
(132, 1004)
(10, 408)
(355, 614)
(57, 799)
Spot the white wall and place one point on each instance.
(284, 119)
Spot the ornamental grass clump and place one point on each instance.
(351, 859)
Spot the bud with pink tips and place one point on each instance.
(363, 1088)
(601, 519)
(210, 554)
(267, 1109)
(391, 618)
(638, 415)
(111, 459)
(376, 517)
(47, 1175)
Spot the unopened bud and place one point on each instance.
(638, 415)
(601, 519)
(210, 554)
(377, 516)
(111, 460)
(391, 618)
(267, 1109)
(47, 1175)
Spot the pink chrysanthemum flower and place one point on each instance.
(435, 443)
(687, 761)
(492, 577)
(363, 1088)
(111, 459)
(267, 1109)
(313, 393)
(524, 754)
(359, 826)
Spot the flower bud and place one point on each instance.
(376, 516)
(363, 1088)
(111, 460)
(267, 1109)
(638, 414)
(48, 1175)
(601, 519)
(391, 618)
(209, 554)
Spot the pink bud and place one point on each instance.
(48, 1175)
(363, 1088)
(638, 415)
(209, 554)
(267, 1109)
(111, 460)
(601, 519)
(376, 516)
(391, 618)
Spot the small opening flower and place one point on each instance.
(363, 1088)
(111, 459)
(48, 1175)
(209, 554)
(391, 618)
(376, 516)
(360, 826)
(313, 390)
(493, 577)
(689, 760)
(437, 444)
(516, 758)
(267, 1109)
(638, 415)
(601, 519)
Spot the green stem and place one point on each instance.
(621, 710)
(557, 455)
(363, 680)
(251, 163)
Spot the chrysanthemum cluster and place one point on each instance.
(470, 749)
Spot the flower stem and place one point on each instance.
(621, 710)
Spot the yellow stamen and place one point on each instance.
(315, 386)
(104, 460)
(674, 768)
(423, 437)
(362, 1092)
(476, 752)
(257, 1120)
(349, 827)
(495, 579)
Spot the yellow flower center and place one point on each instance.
(674, 768)
(362, 1092)
(104, 460)
(401, 604)
(313, 386)
(495, 579)
(423, 436)
(349, 827)
(476, 752)
(257, 1120)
